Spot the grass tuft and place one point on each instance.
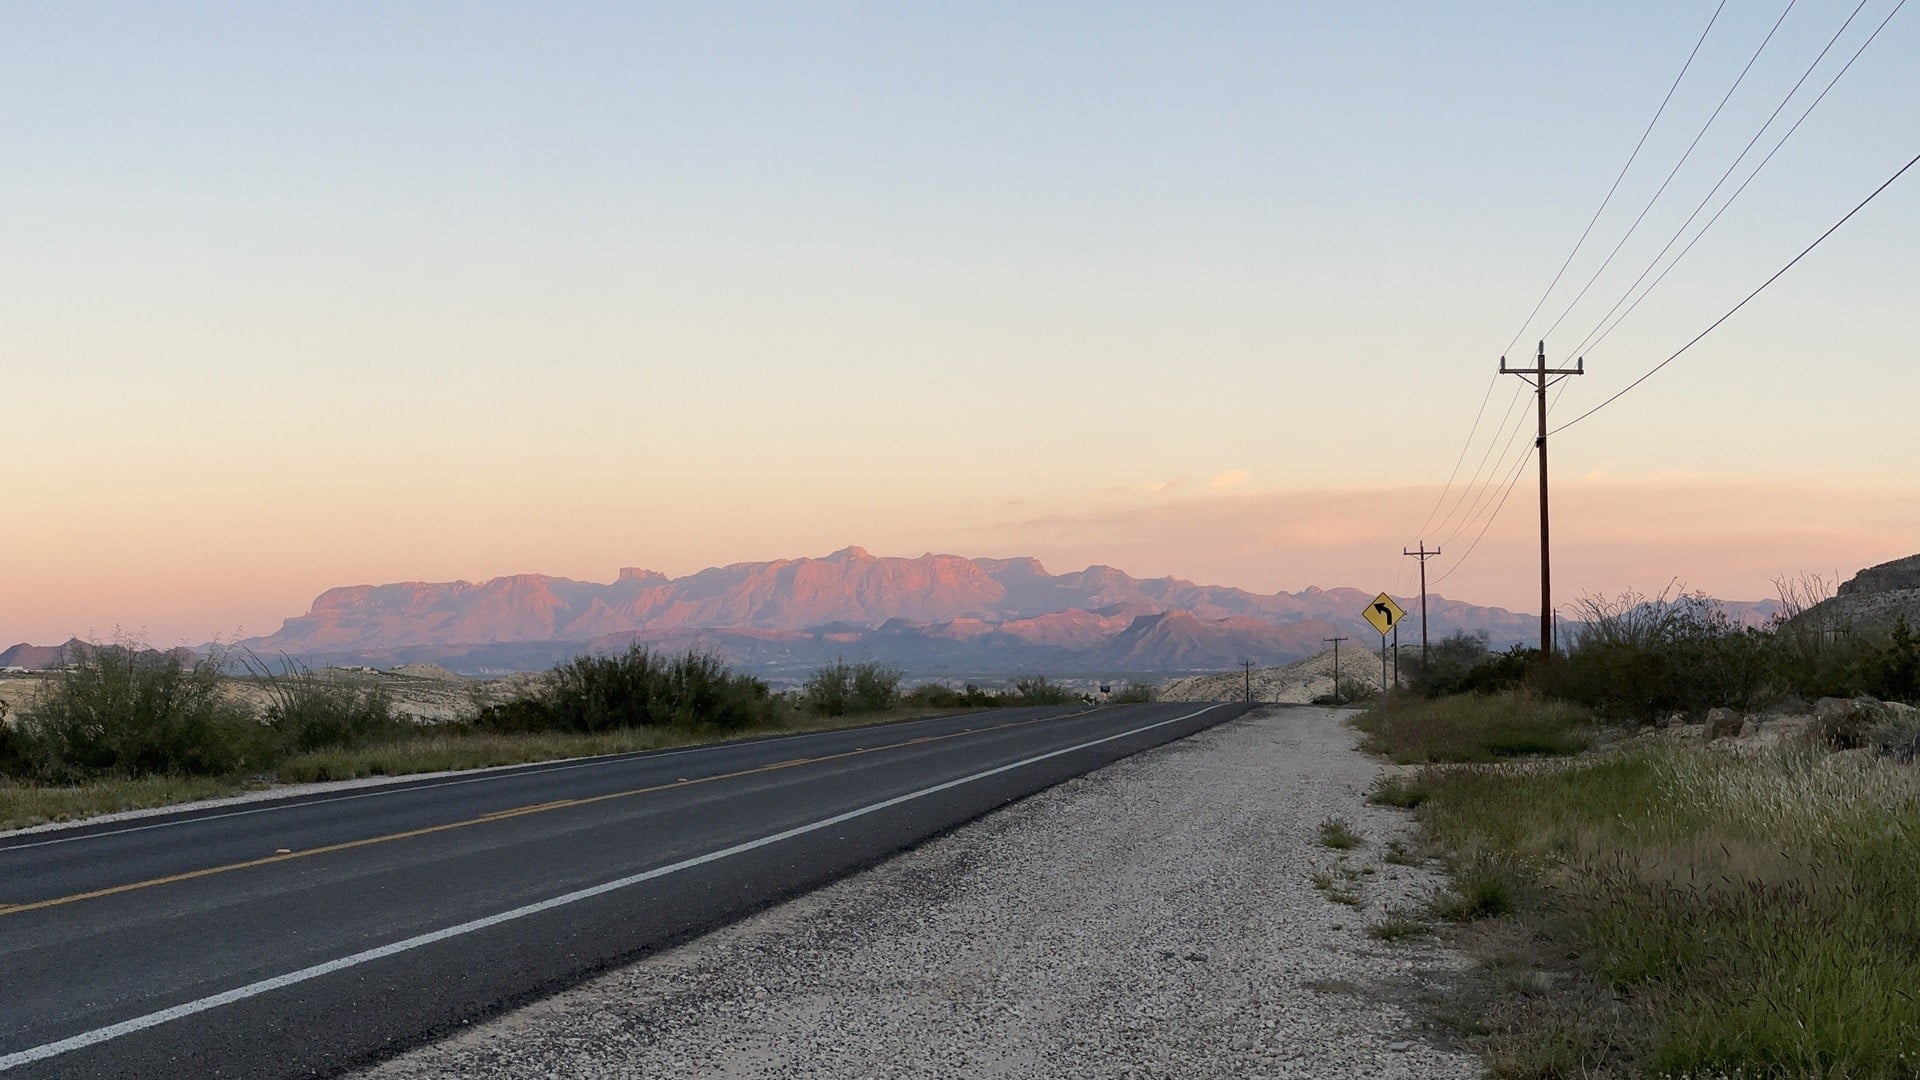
(1397, 926)
(1338, 835)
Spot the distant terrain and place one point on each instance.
(936, 616)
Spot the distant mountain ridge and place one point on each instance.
(932, 615)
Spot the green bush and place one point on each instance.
(636, 688)
(1448, 664)
(309, 711)
(1039, 690)
(127, 711)
(841, 689)
(935, 696)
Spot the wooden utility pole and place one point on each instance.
(1336, 666)
(1423, 555)
(1542, 377)
(1248, 666)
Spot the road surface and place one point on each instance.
(314, 935)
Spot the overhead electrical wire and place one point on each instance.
(1602, 330)
(1675, 171)
(1715, 325)
(1467, 445)
(1622, 175)
(1519, 466)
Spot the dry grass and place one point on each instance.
(1751, 915)
(1474, 728)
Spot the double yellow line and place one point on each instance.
(503, 815)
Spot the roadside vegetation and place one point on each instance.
(124, 728)
(1669, 905)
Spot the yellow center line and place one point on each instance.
(500, 815)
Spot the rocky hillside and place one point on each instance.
(1874, 598)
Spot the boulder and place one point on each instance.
(1723, 723)
(1843, 722)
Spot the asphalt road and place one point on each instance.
(313, 935)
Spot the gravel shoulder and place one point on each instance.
(1153, 919)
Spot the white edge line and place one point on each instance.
(399, 786)
(255, 989)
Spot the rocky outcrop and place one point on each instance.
(1873, 599)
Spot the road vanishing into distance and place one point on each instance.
(311, 935)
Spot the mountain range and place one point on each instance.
(936, 615)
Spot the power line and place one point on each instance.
(1511, 481)
(1608, 261)
(1485, 494)
(1777, 274)
(1519, 465)
(1485, 456)
(1464, 447)
(1518, 334)
(1467, 445)
(1597, 335)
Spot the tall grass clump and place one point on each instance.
(636, 688)
(309, 711)
(120, 710)
(1474, 728)
(1760, 914)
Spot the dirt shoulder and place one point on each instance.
(1155, 918)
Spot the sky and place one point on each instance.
(303, 295)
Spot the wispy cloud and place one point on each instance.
(1228, 480)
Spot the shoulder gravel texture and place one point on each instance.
(1154, 919)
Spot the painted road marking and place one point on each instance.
(292, 978)
(402, 785)
(497, 815)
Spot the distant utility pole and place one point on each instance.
(1248, 665)
(1423, 555)
(1539, 376)
(1336, 666)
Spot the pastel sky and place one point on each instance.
(303, 295)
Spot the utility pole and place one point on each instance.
(1336, 666)
(1247, 665)
(1423, 555)
(1542, 377)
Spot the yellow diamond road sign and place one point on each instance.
(1383, 613)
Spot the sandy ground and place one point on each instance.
(1153, 919)
(1295, 684)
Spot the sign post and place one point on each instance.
(1383, 615)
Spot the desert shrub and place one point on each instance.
(935, 696)
(840, 688)
(123, 710)
(309, 711)
(1893, 669)
(636, 688)
(1634, 656)
(876, 687)
(1448, 664)
(1040, 690)
(1133, 694)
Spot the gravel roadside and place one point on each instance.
(1153, 919)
